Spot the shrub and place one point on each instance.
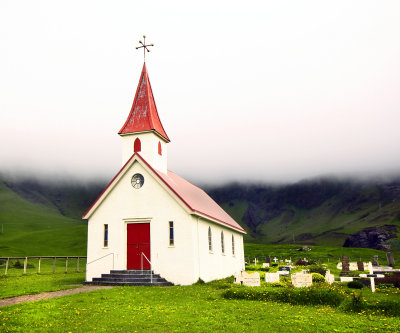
(277, 284)
(274, 264)
(301, 262)
(300, 296)
(355, 285)
(317, 269)
(257, 268)
(316, 277)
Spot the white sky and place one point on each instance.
(259, 90)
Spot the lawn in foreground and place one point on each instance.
(11, 286)
(192, 308)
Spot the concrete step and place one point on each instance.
(107, 283)
(130, 275)
(116, 279)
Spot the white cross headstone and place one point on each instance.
(372, 276)
(255, 261)
(275, 259)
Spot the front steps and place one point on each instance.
(133, 277)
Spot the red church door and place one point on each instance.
(138, 242)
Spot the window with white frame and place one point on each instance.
(209, 239)
(105, 235)
(171, 233)
(222, 243)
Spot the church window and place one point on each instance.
(159, 148)
(233, 245)
(209, 239)
(171, 233)
(137, 146)
(222, 243)
(106, 235)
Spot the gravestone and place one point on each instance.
(360, 266)
(353, 266)
(284, 273)
(346, 279)
(266, 264)
(284, 268)
(268, 259)
(329, 278)
(345, 266)
(275, 259)
(390, 259)
(375, 261)
(301, 280)
(271, 277)
(251, 280)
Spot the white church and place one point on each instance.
(149, 218)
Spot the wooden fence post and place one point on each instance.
(66, 265)
(6, 266)
(77, 265)
(39, 266)
(25, 264)
(54, 265)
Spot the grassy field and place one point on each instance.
(199, 308)
(35, 229)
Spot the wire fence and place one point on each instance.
(15, 266)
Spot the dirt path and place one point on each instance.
(52, 294)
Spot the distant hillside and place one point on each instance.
(321, 212)
(41, 217)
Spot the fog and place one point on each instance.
(262, 91)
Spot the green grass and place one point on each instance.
(197, 308)
(11, 286)
(36, 229)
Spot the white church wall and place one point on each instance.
(151, 203)
(214, 264)
(149, 142)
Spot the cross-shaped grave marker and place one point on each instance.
(372, 276)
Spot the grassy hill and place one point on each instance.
(320, 212)
(37, 228)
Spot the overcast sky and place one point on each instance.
(255, 90)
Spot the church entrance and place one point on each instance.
(138, 242)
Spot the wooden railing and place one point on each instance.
(40, 258)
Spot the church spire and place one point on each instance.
(143, 116)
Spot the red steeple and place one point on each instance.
(143, 115)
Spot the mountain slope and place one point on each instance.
(322, 212)
(32, 228)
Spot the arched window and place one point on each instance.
(137, 146)
(233, 245)
(209, 239)
(159, 148)
(222, 242)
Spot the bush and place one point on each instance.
(277, 284)
(316, 277)
(301, 262)
(257, 268)
(355, 285)
(299, 296)
(317, 269)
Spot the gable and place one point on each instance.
(193, 199)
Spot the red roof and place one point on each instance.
(196, 199)
(192, 196)
(144, 115)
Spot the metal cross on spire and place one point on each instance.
(145, 47)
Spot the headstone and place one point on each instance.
(268, 259)
(275, 259)
(339, 266)
(360, 266)
(375, 261)
(301, 280)
(353, 266)
(271, 277)
(345, 266)
(284, 268)
(251, 280)
(329, 278)
(266, 264)
(284, 273)
(346, 279)
(255, 261)
(390, 259)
